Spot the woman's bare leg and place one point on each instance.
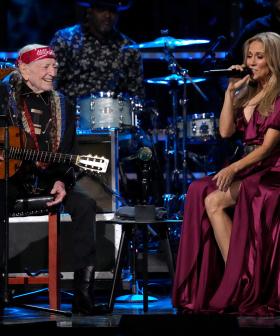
(215, 204)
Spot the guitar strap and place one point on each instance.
(54, 133)
(30, 125)
(58, 112)
(56, 128)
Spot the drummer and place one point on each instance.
(91, 56)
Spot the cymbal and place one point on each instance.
(167, 80)
(5, 69)
(166, 41)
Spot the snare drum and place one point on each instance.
(105, 110)
(201, 127)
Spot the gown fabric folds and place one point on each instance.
(249, 283)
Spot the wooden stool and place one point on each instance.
(33, 207)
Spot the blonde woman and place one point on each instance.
(228, 258)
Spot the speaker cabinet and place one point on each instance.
(102, 187)
(28, 236)
(28, 245)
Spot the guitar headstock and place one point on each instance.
(92, 163)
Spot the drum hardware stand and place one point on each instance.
(172, 131)
(212, 51)
(175, 68)
(174, 95)
(183, 73)
(154, 139)
(167, 166)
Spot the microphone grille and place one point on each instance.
(144, 154)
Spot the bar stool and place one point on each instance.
(36, 206)
(126, 236)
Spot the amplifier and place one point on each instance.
(28, 245)
(103, 188)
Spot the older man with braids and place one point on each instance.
(29, 100)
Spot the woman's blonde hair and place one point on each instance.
(271, 44)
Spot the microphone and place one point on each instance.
(143, 154)
(229, 72)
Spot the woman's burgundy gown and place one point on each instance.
(249, 283)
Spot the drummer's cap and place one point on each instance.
(115, 5)
(34, 52)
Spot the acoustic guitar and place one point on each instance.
(19, 151)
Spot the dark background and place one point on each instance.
(28, 21)
(35, 21)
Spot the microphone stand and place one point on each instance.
(184, 147)
(135, 296)
(5, 222)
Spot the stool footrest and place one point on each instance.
(26, 280)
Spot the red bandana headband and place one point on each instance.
(35, 55)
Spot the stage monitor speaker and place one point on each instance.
(104, 187)
(28, 245)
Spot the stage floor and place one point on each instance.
(128, 318)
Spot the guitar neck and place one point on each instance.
(40, 156)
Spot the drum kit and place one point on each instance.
(109, 110)
(106, 110)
